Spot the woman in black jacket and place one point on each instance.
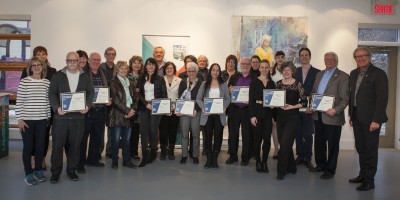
(119, 114)
(261, 117)
(151, 86)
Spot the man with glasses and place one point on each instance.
(94, 119)
(367, 111)
(68, 126)
(328, 124)
(239, 115)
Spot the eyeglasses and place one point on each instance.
(361, 56)
(72, 60)
(37, 65)
(330, 60)
(96, 60)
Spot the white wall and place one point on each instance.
(93, 25)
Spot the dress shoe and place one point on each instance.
(114, 165)
(99, 164)
(309, 164)
(54, 178)
(326, 175)
(316, 169)
(137, 158)
(299, 160)
(183, 160)
(357, 179)
(365, 186)
(72, 175)
(244, 163)
(280, 177)
(264, 167)
(258, 167)
(231, 161)
(195, 160)
(81, 170)
(142, 164)
(129, 164)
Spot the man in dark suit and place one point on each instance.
(304, 139)
(328, 124)
(367, 110)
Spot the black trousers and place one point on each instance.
(71, 131)
(262, 135)
(213, 129)
(304, 138)
(239, 116)
(149, 129)
(326, 145)
(34, 141)
(287, 129)
(168, 129)
(134, 141)
(94, 127)
(367, 144)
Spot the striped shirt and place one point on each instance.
(32, 99)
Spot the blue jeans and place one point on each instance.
(125, 134)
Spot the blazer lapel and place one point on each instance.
(333, 77)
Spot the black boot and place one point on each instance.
(214, 162)
(163, 154)
(145, 158)
(153, 155)
(208, 162)
(171, 155)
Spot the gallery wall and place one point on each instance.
(93, 25)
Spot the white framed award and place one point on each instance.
(101, 95)
(274, 98)
(185, 107)
(161, 106)
(240, 94)
(213, 106)
(322, 102)
(73, 101)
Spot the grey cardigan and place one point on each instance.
(224, 93)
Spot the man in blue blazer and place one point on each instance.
(367, 111)
(304, 140)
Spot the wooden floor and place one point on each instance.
(171, 180)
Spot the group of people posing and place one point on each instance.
(134, 84)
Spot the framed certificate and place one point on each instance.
(322, 102)
(274, 98)
(213, 106)
(161, 106)
(185, 107)
(101, 95)
(240, 94)
(73, 101)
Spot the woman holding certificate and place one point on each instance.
(119, 114)
(169, 123)
(33, 111)
(288, 120)
(261, 117)
(188, 89)
(151, 86)
(213, 98)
